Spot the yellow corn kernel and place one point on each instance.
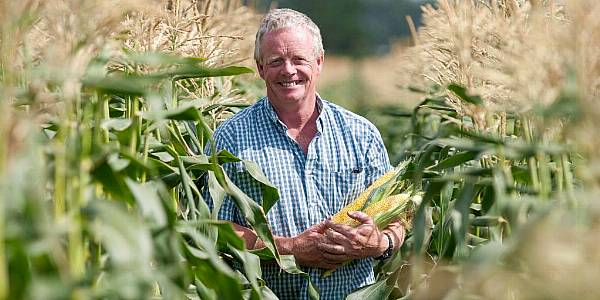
(381, 180)
(386, 204)
(342, 217)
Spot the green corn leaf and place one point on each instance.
(188, 187)
(116, 124)
(125, 85)
(269, 192)
(210, 269)
(225, 156)
(113, 182)
(148, 200)
(455, 160)
(420, 222)
(194, 71)
(217, 194)
(461, 92)
(460, 216)
(124, 235)
(486, 221)
(377, 291)
(253, 213)
(183, 113)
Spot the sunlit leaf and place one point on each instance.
(132, 85)
(116, 124)
(194, 71)
(269, 192)
(125, 236)
(148, 200)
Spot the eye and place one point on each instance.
(274, 62)
(300, 60)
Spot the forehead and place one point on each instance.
(286, 41)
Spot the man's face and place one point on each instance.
(289, 66)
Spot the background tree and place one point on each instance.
(356, 28)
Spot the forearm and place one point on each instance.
(304, 247)
(247, 234)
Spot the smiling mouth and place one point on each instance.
(290, 83)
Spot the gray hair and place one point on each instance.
(287, 18)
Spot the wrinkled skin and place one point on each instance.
(305, 247)
(307, 250)
(328, 245)
(346, 243)
(290, 69)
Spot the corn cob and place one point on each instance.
(393, 208)
(378, 208)
(391, 204)
(358, 204)
(386, 200)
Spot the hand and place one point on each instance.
(305, 248)
(347, 243)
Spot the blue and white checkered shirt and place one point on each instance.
(346, 155)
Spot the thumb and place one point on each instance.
(361, 217)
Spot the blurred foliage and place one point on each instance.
(487, 197)
(356, 28)
(101, 150)
(102, 159)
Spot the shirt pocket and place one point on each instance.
(344, 186)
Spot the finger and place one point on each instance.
(361, 217)
(331, 248)
(342, 229)
(368, 231)
(338, 227)
(333, 253)
(367, 228)
(337, 238)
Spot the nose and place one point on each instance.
(288, 68)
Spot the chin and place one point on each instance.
(292, 97)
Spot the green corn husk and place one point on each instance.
(387, 185)
(389, 199)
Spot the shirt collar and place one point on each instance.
(272, 114)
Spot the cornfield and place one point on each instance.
(108, 105)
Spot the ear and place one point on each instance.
(261, 70)
(319, 62)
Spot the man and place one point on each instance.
(320, 157)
